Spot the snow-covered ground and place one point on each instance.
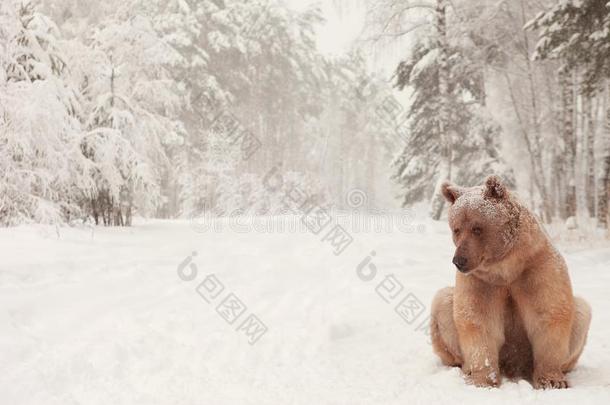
(102, 317)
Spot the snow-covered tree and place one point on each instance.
(44, 174)
(450, 135)
(250, 48)
(132, 105)
(473, 136)
(522, 94)
(358, 130)
(577, 34)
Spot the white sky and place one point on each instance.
(343, 27)
(338, 32)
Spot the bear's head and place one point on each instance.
(484, 221)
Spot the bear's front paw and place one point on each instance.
(487, 377)
(548, 381)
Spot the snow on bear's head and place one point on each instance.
(484, 221)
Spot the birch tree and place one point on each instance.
(578, 35)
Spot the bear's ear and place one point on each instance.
(494, 188)
(451, 192)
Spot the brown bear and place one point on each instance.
(511, 311)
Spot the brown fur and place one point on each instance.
(511, 311)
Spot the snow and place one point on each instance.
(99, 315)
(430, 58)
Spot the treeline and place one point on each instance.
(168, 108)
(532, 76)
(172, 108)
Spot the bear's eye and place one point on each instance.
(476, 230)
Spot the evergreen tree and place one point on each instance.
(44, 174)
(132, 107)
(473, 135)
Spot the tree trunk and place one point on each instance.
(128, 214)
(559, 184)
(569, 139)
(590, 156)
(94, 210)
(438, 201)
(129, 207)
(117, 216)
(603, 192)
(533, 142)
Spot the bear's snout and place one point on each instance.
(460, 262)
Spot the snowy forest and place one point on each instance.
(246, 202)
(171, 109)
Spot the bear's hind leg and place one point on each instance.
(580, 328)
(442, 329)
(516, 358)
